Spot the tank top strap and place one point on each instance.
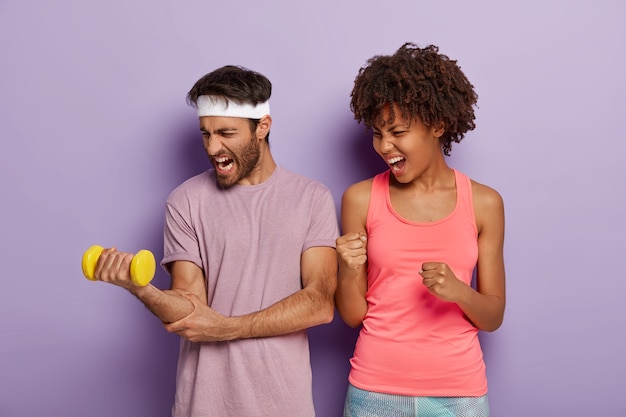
(380, 185)
(378, 197)
(464, 192)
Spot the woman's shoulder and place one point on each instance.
(359, 190)
(485, 195)
(488, 206)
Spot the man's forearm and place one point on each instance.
(168, 305)
(304, 309)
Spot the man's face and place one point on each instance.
(234, 150)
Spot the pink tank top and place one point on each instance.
(411, 342)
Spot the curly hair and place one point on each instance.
(424, 84)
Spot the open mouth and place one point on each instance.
(396, 163)
(224, 163)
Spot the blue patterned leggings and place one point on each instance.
(361, 403)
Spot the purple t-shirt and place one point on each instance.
(248, 240)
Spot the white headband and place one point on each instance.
(218, 106)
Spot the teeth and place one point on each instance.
(225, 162)
(395, 160)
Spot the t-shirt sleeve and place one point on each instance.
(179, 237)
(323, 229)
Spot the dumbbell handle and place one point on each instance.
(142, 266)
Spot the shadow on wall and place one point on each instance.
(332, 346)
(356, 158)
(184, 153)
(367, 162)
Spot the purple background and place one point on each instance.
(95, 132)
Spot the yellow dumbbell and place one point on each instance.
(142, 266)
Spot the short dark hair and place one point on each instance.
(235, 83)
(424, 84)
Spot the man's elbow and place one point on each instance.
(326, 314)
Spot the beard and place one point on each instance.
(246, 159)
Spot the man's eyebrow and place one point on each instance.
(220, 130)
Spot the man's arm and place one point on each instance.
(310, 306)
(169, 305)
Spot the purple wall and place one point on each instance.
(95, 132)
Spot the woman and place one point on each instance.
(413, 238)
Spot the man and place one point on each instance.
(250, 250)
